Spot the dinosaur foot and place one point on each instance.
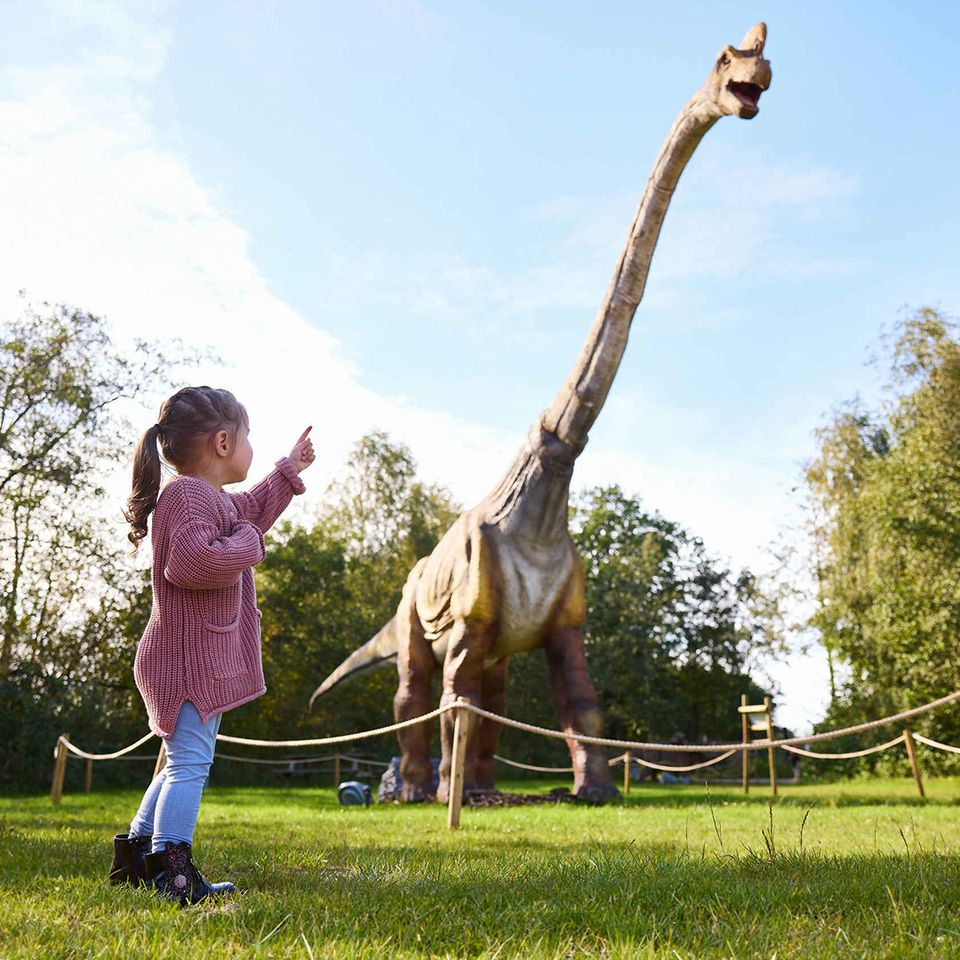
(415, 793)
(443, 791)
(598, 793)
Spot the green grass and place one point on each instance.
(852, 870)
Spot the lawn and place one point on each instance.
(863, 869)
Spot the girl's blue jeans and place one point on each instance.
(171, 804)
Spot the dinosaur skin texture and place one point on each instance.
(506, 577)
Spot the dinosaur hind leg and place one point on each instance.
(493, 694)
(415, 666)
(576, 702)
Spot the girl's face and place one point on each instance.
(238, 461)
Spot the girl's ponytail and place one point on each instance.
(146, 485)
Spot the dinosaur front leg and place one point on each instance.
(415, 666)
(462, 677)
(576, 702)
(493, 695)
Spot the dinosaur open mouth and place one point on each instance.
(747, 93)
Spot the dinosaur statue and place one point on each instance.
(506, 577)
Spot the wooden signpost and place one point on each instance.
(763, 725)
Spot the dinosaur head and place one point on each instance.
(739, 76)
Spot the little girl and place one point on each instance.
(200, 653)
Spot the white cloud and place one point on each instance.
(97, 214)
(100, 214)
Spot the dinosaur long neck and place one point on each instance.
(581, 398)
(533, 493)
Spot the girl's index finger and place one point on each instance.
(305, 434)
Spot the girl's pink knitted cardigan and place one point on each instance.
(202, 643)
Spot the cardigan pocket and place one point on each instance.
(224, 651)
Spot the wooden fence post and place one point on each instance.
(59, 769)
(88, 777)
(336, 771)
(627, 765)
(461, 728)
(161, 760)
(745, 754)
(912, 756)
(771, 751)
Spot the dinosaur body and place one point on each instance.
(506, 577)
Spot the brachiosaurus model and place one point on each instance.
(506, 577)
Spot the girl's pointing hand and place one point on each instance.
(302, 454)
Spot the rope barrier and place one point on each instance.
(370, 763)
(530, 766)
(77, 752)
(687, 769)
(852, 753)
(788, 743)
(936, 744)
(346, 738)
(142, 757)
(297, 760)
(704, 747)
(273, 763)
(613, 761)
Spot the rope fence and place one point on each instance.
(672, 768)
(536, 769)
(880, 747)
(77, 752)
(275, 763)
(464, 711)
(936, 744)
(703, 747)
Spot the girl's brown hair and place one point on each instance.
(186, 421)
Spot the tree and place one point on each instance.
(387, 520)
(62, 581)
(886, 531)
(60, 381)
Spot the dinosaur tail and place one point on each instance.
(377, 651)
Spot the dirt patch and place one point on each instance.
(496, 798)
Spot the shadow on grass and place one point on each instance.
(644, 797)
(432, 902)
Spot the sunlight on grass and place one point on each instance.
(861, 870)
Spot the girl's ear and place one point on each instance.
(221, 443)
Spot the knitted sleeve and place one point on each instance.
(270, 497)
(201, 555)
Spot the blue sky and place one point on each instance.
(404, 215)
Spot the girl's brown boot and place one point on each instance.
(174, 875)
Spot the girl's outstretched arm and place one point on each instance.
(271, 496)
(262, 504)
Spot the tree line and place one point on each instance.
(673, 636)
